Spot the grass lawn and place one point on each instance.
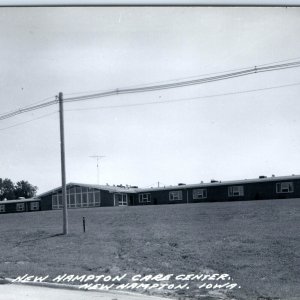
(256, 242)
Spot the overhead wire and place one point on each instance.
(184, 78)
(183, 99)
(150, 88)
(27, 109)
(28, 121)
(29, 105)
(185, 83)
(156, 102)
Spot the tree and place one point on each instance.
(25, 189)
(7, 189)
(10, 191)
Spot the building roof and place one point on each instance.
(220, 183)
(131, 190)
(19, 200)
(109, 188)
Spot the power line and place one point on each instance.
(150, 88)
(184, 78)
(31, 120)
(157, 102)
(27, 109)
(186, 83)
(29, 105)
(279, 61)
(185, 99)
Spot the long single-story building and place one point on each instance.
(81, 195)
(239, 190)
(91, 195)
(20, 205)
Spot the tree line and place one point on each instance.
(11, 191)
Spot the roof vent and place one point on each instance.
(262, 176)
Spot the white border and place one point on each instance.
(149, 2)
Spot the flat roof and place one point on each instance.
(220, 183)
(131, 190)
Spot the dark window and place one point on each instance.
(175, 195)
(234, 191)
(284, 187)
(20, 207)
(199, 194)
(145, 198)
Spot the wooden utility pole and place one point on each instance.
(63, 167)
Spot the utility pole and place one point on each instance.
(97, 157)
(63, 167)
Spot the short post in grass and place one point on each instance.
(83, 223)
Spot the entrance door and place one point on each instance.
(120, 199)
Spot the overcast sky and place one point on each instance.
(72, 50)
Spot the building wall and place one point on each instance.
(12, 207)
(77, 197)
(107, 198)
(162, 197)
(46, 202)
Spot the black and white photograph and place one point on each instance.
(150, 152)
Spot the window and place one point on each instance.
(145, 198)
(97, 198)
(71, 190)
(120, 199)
(78, 200)
(56, 201)
(175, 196)
(199, 194)
(77, 197)
(20, 206)
(284, 187)
(123, 200)
(234, 191)
(91, 200)
(2, 208)
(84, 200)
(71, 200)
(34, 206)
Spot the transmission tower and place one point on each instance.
(98, 157)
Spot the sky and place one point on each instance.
(82, 50)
